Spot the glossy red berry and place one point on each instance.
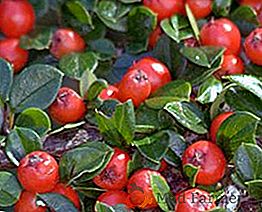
(154, 37)
(27, 203)
(11, 52)
(66, 41)
(38, 172)
(200, 8)
(163, 166)
(134, 85)
(231, 65)
(216, 123)
(191, 42)
(221, 32)
(210, 160)
(113, 198)
(140, 190)
(165, 8)
(111, 92)
(68, 192)
(194, 200)
(68, 107)
(253, 46)
(17, 17)
(114, 176)
(158, 74)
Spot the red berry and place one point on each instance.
(200, 8)
(113, 198)
(163, 166)
(68, 192)
(191, 42)
(68, 107)
(114, 176)
(111, 92)
(231, 65)
(165, 8)
(216, 123)
(66, 41)
(221, 32)
(158, 74)
(11, 51)
(38, 172)
(194, 200)
(135, 85)
(253, 46)
(17, 17)
(210, 160)
(256, 4)
(140, 190)
(154, 37)
(27, 203)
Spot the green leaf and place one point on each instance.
(191, 172)
(154, 147)
(89, 159)
(120, 127)
(36, 86)
(104, 48)
(209, 90)
(57, 202)
(255, 188)
(96, 88)
(218, 209)
(202, 56)
(75, 64)
(20, 142)
(39, 39)
(221, 7)
(10, 189)
(248, 82)
(192, 22)
(130, 1)
(188, 115)
(6, 79)
(35, 119)
(248, 162)
(239, 128)
(87, 79)
(162, 193)
(160, 102)
(102, 207)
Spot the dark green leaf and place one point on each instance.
(191, 172)
(102, 207)
(221, 7)
(96, 88)
(188, 115)
(192, 22)
(40, 7)
(87, 79)
(20, 142)
(104, 48)
(6, 79)
(130, 1)
(36, 86)
(236, 129)
(57, 202)
(160, 101)
(255, 188)
(9, 189)
(75, 64)
(35, 119)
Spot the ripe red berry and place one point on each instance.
(216, 123)
(158, 74)
(134, 85)
(165, 8)
(113, 198)
(221, 32)
(17, 17)
(11, 51)
(27, 203)
(191, 42)
(111, 92)
(68, 107)
(38, 172)
(114, 176)
(210, 160)
(253, 46)
(256, 4)
(231, 65)
(194, 200)
(163, 166)
(140, 190)
(154, 37)
(66, 41)
(68, 192)
(200, 8)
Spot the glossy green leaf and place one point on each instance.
(104, 48)
(96, 88)
(35, 119)
(102, 207)
(36, 86)
(188, 115)
(10, 189)
(6, 79)
(191, 172)
(75, 64)
(255, 189)
(160, 102)
(221, 7)
(192, 22)
(87, 79)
